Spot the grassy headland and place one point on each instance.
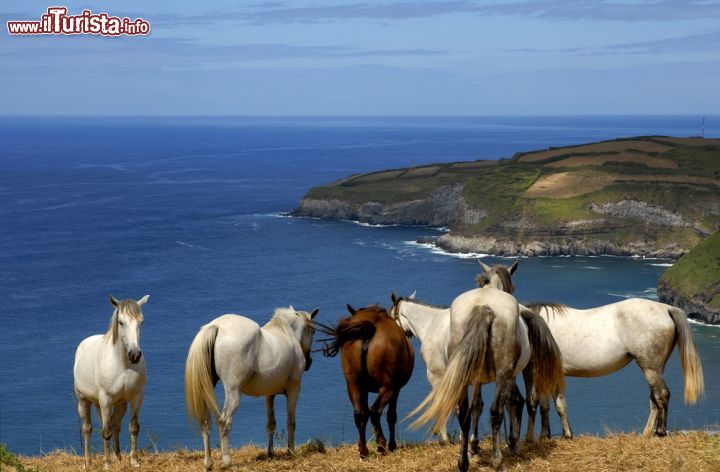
(693, 451)
(693, 282)
(649, 195)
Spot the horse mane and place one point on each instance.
(483, 279)
(279, 319)
(552, 307)
(130, 308)
(351, 328)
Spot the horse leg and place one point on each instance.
(659, 399)
(106, 418)
(84, 412)
(531, 402)
(561, 406)
(515, 409)
(117, 416)
(359, 399)
(270, 428)
(232, 402)
(292, 398)
(545, 417)
(503, 388)
(205, 425)
(464, 418)
(392, 420)
(382, 399)
(134, 428)
(476, 408)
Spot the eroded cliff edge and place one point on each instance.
(693, 282)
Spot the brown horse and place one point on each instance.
(376, 357)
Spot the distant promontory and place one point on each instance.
(650, 196)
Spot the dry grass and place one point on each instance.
(569, 184)
(612, 146)
(694, 451)
(622, 157)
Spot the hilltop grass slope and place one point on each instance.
(692, 451)
(693, 282)
(652, 196)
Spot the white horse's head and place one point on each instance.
(497, 276)
(396, 312)
(126, 325)
(305, 330)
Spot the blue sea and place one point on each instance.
(191, 211)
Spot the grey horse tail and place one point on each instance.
(689, 357)
(463, 368)
(548, 374)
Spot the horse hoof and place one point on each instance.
(392, 446)
(661, 434)
(567, 436)
(463, 465)
(382, 450)
(475, 447)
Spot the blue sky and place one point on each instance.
(352, 57)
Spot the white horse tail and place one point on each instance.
(199, 389)
(548, 374)
(463, 368)
(689, 357)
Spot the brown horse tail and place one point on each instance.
(548, 374)
(689, 357)
(347, 330)
(463, 368)
(199, 373)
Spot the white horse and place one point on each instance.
(109, 372)
(246, 358)
(599, 341)
(488, 342)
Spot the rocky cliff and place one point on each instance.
(693, 282)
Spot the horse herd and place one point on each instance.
(484, 336)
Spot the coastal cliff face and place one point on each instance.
(557, 246)
(444, 207)
(693, 282)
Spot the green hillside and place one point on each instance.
(654, 189)
(696, 275)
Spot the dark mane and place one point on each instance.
(551, 307)
(349, 329)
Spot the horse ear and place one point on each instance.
(484, 266)
(393, 298)
(513, 267)
(412, 295)
(114, 301)
(143, 300)
(351, 309)
(314, 313)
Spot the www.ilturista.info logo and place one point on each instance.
(57, 21)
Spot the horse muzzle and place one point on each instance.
(308, 363)
(134, 356)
